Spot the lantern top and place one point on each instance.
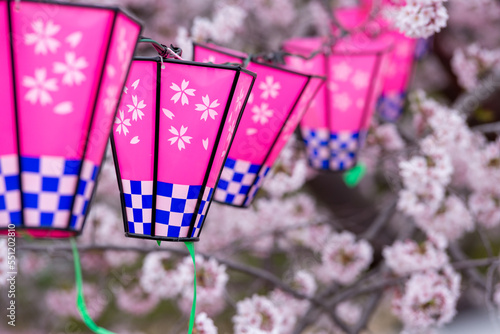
(244, 57)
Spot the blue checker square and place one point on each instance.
(131, 227)
(30, 164)
(254, 169)
(186, 219)
(193, 192)
(146, 227)
(162, 217)
(164, 189)
(65, 202)
(71, 167)
(137, 215)
(147, 201)
(173, 231)
(94, 173)
(229, 198)
(46, 219)
(2, 203)
(243, 190)
(177, 205)
(85, 206)
(12, 182)
(223, 184)
(230, 163)
(135, 187)
(15, 218)
(50, 184)
(128, 200)
(81, 187)
(238, 177)
(30, 200)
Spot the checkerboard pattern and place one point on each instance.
(202, 212)
(236, 179)
(138, 205)
(391, 106)
(258, 183)
(49, 185)
(10, 194)
(86, 185)
(333, 151)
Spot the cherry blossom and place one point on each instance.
(204, 325)
(122, 123)
(342, 101)
(257, 315)
(182, 92)
(360, 80)
(136, 108)
(269, 88)
(342, 71)
(421, 18)
(473, 63)
(485, 206)
(154, 275)
(208, 108)
(39, 87)
(71, 70)
(180, 137)
(135, 301)
(262, 113)
(43, 37)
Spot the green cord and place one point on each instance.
(80, 300)
(355, 175)
(190, 247)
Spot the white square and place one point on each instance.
(242, 166)
(3, 189)
(206, 193)
(147, 187)
(248, 179)
(220, 195)
(139, 228)
(13, 200)
(175, 219)
(89, 188)
(180, 191)
(227, 174)
(32, 182)
(79, 223)
(4, 218)
(163, 203)
(161, 230)
(136, 201)
(51, 166)
(324, 153)
(127, 189)
(48, 202)
(146, 215)
(61, 219)
(78, 205)
(190, 205)
(9, 164)
(238, 200)
(87, 170)
(183, 233)
(67, 185)
(233, 188)
(31, 217)
(130, 214)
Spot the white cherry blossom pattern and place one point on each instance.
(210, 59)
(122, 123)
(71, 70)
(136, 107)
(182, 92)
(342, 71)
(179, 137)
(240, 99)
(269, 88)
(74, 39)
(42, 37)
(168, 113)
(262, 113)
(64, 108)
(208, 108)
(342, 101)
(360, 79)
(39, 87)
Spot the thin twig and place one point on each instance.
(380, 221)
(488, 128)
(468, 102)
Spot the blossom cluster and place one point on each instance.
(420, 18)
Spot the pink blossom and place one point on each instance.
(62, 302)
(257, 315)
(421, 18)
(204, 325)
(156, 279)
(134, 301)
(485, 206)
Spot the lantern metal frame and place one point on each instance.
(71, 232)
(294, 105)
(160, 61)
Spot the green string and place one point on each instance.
(80, 300)
(190, 247)
(355, 175)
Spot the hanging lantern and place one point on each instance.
(171, 136)
(63, 68)
(274, 110)
(336, 122)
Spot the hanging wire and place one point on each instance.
(17, 6)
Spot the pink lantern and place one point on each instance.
(337, 120)
(62, 74)
(274, 110)
(171, 136)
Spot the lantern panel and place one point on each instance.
(59, 69)
(264, 129)
(171, 156)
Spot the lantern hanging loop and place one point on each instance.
(163, 50)
(17, 6)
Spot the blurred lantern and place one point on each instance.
(171, 136)
(274, 110)
(335, 125)
(63, 68)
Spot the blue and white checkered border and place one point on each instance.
(236, 180)
(258, 183)
(86, 186)
(10, 194)
(175, 208)
(332, 151)
(390, 106)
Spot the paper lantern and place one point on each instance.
(171, 136)
(338, 119)
(276, 106)
(62, 74)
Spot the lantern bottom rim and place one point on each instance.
(39, 233)
(160, 238)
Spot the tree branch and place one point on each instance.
(469, 101)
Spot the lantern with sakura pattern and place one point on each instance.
(336, 123)
(171, 137)
(63, 68)
(274, 110)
